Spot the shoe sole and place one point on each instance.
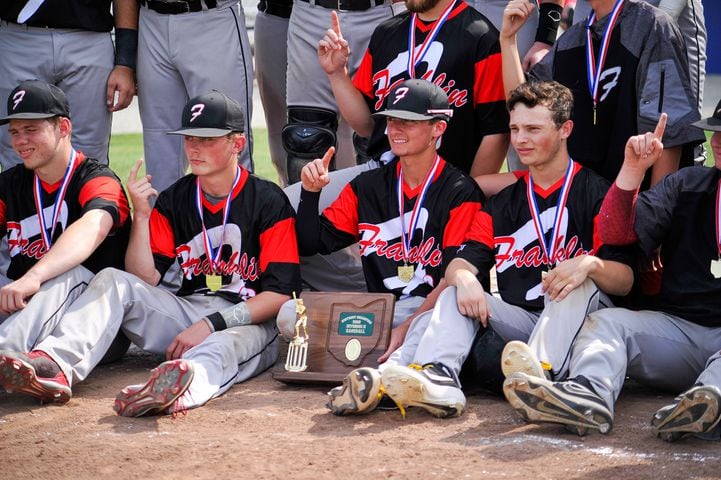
(408, 389)
(518, 357)
(18, 376)
(538, 401)
(356, 395)
(167, 382)
(699, 411)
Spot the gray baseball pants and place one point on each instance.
(271, 48)
(446, 336)
(308, 84)
(654, 348)
(182, 56)
(78, 62)
(152, 317)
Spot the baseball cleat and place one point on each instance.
(433, 387)
(360, 393)
(568, 403)
(167, 382)
(695, 411)
(35, 374)
(518, 357)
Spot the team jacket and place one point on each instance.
(92, 15)
(679, 215)
(259, 251)
(92, 186)
(645, 74)
(503, 235)
(464, 60)
(367, 212)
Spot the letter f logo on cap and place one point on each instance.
(196, 110)
(17, 98)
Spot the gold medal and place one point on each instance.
(214, 282)
(716, 268)
(405, 273)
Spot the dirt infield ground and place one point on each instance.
(263, 429)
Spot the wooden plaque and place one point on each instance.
(346, 331)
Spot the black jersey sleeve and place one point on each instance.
(654, 212)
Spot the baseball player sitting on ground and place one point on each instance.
(676, 343)
(234, 237)
(65, 217)
(406, 216)
(540, 234)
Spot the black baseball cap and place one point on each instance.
(711, 123)
(212, 114)
(35, 99)
(417, 99)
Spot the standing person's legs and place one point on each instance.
(83, 62)
(271, 48)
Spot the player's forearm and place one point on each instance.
(460, 270)
(265, 305)
(494, 183)
(513, 74)
(668, 163)
(616, 217)
(125, 13)
(613, 278)
(74, 246)
(351, 104)
(139, 257)
(490, 155)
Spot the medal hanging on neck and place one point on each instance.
(214, 280)
(716, 263)
(594, 68)
(415, 56)
(406, 271)
(57, 207)
(550, 252)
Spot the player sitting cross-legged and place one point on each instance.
(405, 216)
(676, 343)
(65, 217)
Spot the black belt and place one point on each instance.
(347, 5)
(183, 6)
(275, 8)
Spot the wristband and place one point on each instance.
(209, 323)
(126, 47)
(236, 315)
(549, 18)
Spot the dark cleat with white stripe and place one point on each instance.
(569, 403)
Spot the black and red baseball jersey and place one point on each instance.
(367, 211)
(259, 251)
(86, 15)
(464, 60)
(92, 186)
(503, 234)
(679, 214)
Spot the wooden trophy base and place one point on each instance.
(346, 331)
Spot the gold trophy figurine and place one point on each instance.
(297, 359)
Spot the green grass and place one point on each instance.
(125, 149)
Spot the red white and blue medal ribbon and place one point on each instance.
(594, 67)
(213, 253)
(57, 208)
(549, 251)
(416, 56)
(716, 262)
(405, 273)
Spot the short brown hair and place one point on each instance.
(552, 95)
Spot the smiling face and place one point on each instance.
(39, 143)
(209, 156)
(413, 137)
(535, 136)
